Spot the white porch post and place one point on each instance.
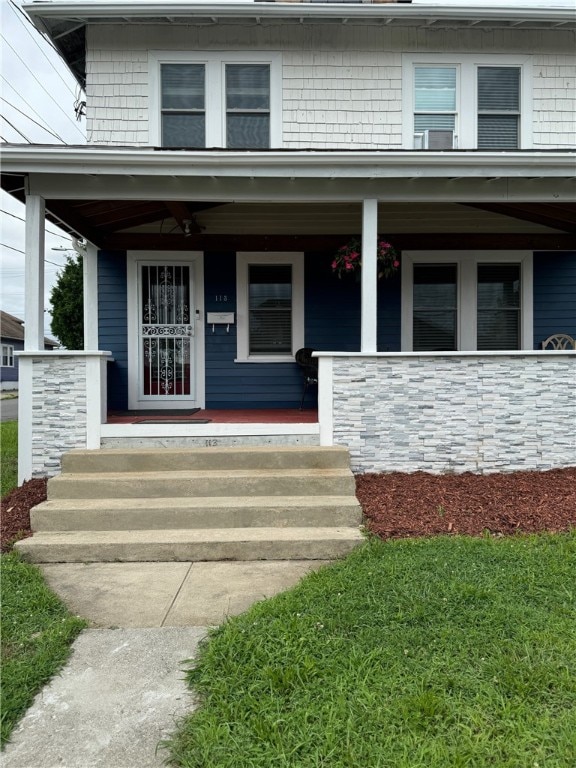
(368, 320)
(90, 283)
(34, 273)
(33, 326)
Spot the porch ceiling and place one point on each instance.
(200, 225)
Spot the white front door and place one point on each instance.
(166, 360)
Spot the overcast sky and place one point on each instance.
(37, 96)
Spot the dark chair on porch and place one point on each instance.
(309, 367)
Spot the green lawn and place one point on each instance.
(424, 653)
(36, 634)
(9, 456)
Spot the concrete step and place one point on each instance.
(234, 483)
(197, 459)
(190, 545)
(212, 512)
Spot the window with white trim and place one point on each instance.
(7, 356)
(466, 102)
(466, 301)
(215, 99)
(270, 306)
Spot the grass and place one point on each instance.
(8, 456)
(421, 653)
(36, 634)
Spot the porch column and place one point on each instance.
(90, 284)
(368, 321)
(34, 273)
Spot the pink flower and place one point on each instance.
(334, 264)
(396, 264)
(349, 266)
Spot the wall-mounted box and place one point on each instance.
(225, 318)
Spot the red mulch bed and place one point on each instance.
(399, 505)
(15, 510)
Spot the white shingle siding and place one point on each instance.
(341, 86)
(555, 101)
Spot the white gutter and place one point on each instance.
(83, 11)
(302, 164)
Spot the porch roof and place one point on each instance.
(180, 198)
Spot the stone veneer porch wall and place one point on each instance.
(492, 412)
(62, 398)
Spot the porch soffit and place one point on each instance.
(482, 195)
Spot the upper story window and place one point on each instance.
(215, 99)
(183, 105)
(466, 102)
(247, 106)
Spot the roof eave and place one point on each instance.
(296, 163)
(146, 9)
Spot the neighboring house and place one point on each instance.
(234, 147)
(12, 340)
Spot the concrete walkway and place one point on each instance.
(123, 689)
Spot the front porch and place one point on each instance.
(436, 412)
(437, 368)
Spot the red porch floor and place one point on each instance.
(260, 416)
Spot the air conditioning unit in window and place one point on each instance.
(435, 139)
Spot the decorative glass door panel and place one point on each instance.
(166, 331)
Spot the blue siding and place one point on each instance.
(113, 323)
(333, 309)
(554, 294)
(240, 385)
(8, 373)
(332, 322)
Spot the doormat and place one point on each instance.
(173, 421)
(159, 412)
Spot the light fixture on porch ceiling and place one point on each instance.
(191, 226)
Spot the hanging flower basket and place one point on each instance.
(348, 258)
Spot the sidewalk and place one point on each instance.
(123, 689)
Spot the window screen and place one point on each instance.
(434, 98)
(498, 107)
(435, 307)
(498, 306)
(270, 309)
(247, 106)
(183, 105)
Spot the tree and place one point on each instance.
(67, 299)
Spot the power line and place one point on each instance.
(33, 121)
(19, 250)
(42, 52)
(44, 37)
(16, 129)
(14, 216)
(41, 86)
(30, 107)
